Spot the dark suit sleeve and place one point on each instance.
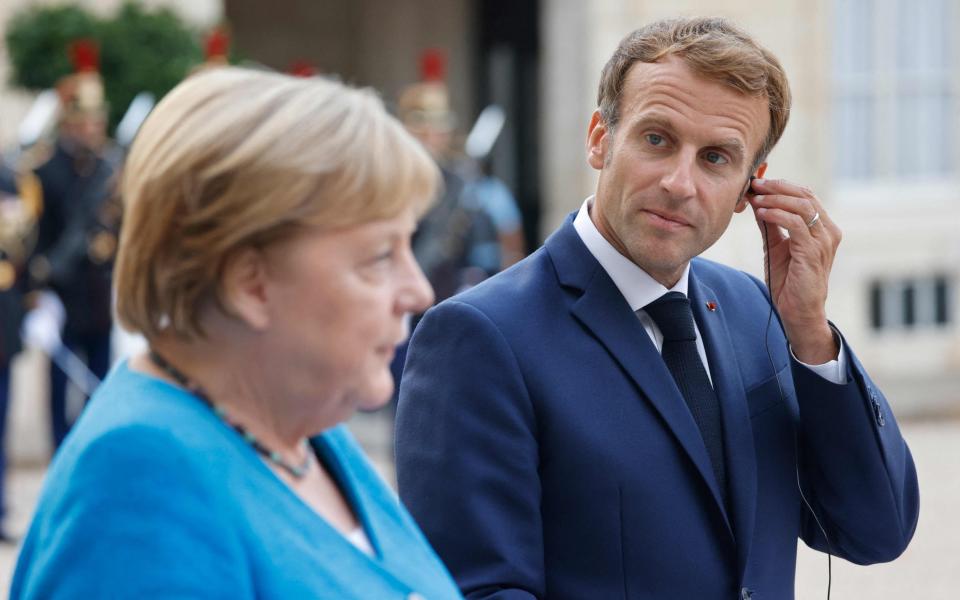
(856, 467)
(467, 455)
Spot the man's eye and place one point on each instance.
(655, 139)
(715, 158)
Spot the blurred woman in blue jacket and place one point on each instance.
(265, 256)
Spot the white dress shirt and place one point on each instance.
(640, 289)
(358, 537)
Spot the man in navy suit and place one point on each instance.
(615, 417)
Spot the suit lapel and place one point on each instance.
(737, 429)
(603, 310)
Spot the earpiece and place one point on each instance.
(747, 191)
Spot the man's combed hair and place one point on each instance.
(713, 48)
(235, 158)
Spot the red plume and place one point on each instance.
(302, 68)
(217, 44)
(433, 65)
(85, 55)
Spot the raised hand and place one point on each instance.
(800, 262)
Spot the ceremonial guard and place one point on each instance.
(456, 243)
(216, 49)
(78, 229)
(20, 207)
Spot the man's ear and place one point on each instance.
(742, 203)
(597, 141)
(243, 289)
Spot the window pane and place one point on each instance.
(853, 38)
(891, 299)
(895, 104)
(909, 305)
(876, 305)
(924, 301)
(941, 301)
(940, 121)
(924, 123)
(923, 130)
(855, 137)
(922, 30)
(909, 161)
(924, 104)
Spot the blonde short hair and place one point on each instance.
(236, 158)
(712, 47)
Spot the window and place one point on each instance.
(894, 76)
(923, 302)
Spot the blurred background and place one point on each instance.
(512, 85)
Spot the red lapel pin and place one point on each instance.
(712, 306)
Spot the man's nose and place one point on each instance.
(678, 180)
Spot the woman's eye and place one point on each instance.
(715, 158)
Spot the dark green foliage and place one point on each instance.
(144, 51)
(37, 41)
(140, 50)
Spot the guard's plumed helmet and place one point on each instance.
(81, 93)
(427, 102)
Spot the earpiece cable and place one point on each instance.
(796, 444)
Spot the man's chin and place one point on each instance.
(660, 266)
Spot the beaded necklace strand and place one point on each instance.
(297, 471)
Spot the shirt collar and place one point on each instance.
(637, 286)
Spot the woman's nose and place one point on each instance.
(417, 294)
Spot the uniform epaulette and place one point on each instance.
(30, 191)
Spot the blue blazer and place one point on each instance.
(153, 496)
(546, 451)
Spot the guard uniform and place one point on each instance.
(456, 243)
(77, 235)
(74, 258)
(19, 209)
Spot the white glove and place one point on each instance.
(42, 325)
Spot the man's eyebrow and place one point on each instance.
(732, 145)
(655, 121)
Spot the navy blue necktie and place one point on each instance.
(672, 314)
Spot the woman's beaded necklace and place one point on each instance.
(297, 471)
